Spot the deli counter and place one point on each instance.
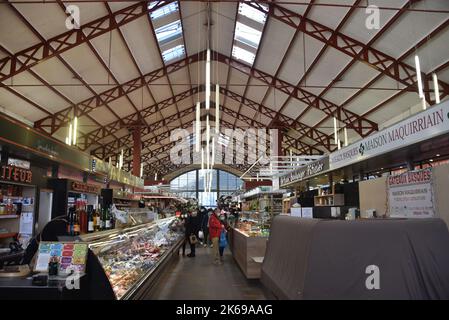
(249, 241)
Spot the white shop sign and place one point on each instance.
(410, 194)
(424, 125)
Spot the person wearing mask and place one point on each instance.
(192, 227)
(225, 229)
(204, 219)
(215, 228)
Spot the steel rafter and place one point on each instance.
(29, 57)
(317, 59)
(101, 133)
(61, 118)
(402, 57)
(374, 58)
(362, 125)
(287, 51)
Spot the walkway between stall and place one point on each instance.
(198, 279)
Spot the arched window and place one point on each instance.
(191, 185)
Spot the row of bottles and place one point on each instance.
(83, 218)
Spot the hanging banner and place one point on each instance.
(410, 195)
(422, 126)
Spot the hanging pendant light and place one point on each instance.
(198, 127)
(335, 130)
(70, 134)
(213, 153)
(208, 79)
(436, 88)
(418, 77)
(207, 143)
(75, 129)
(217, 109)
(346, 136)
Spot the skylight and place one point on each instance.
(247, 35)
(252, 13)
(173, 53)
(242, 54)
(164, 11)
(169, 32)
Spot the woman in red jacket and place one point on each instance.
(214, 233)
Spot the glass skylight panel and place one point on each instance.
(242, 54)
(252, 13)
(173, 53)
(164, 11)
(169, 32)
(247, 35)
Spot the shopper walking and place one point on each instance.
(192, 227)
(204, 220)
(215, 228)
(223, 242)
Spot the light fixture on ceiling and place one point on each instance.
(71, 137)
(436, 88)
(346, 136)
(155, 176)
(337, 141)
(120, 166)
(141, 170)
(208, 79)
(198, 127)
(437, 155)
(217, 109)
(418, 77)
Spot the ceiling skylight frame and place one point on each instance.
(163, 11)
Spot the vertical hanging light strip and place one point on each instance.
(75, 129)
(346, 136)
(121, 160)
(207, 143)
(70, 134)
(213, 153)
(141, 170)
(436, 88)
(198, 127)
(155, 176)
(418, 77)
(208, 79)
(335, 131)
(217, 109)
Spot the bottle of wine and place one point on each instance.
(70, 220)
(90, 219)
(76, 224)
(94, 216)
(107, 218)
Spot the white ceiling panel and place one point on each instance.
(140, 40)
(116, 6)
(272, 47)
(412, 27)
(54, 72)
(275, 99)
(84, 62)
(90, 11)
(10, 102)
(256, 90)
(293, 108)
(300, 57)
(223, 14)
(102, 115)
(50, 24)
(250, 113)
(193, 20)
(295, 6)
(121, 107)
(141, 98)
(328, 67)
(356, 28)
(17, 38)
(329, 16)
(115, 56)
(239, 80)
(312, 116)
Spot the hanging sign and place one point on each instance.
(305, 171)
(84, 187)
(15, 174)
(422, 126)
(410, 195)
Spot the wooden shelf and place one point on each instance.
(8, 235)
(8, 216)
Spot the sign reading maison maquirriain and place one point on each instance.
(424, 125)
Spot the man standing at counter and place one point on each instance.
(214, 232)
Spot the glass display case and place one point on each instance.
(131, 255)
(254, 223)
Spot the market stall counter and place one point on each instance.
(359, 259)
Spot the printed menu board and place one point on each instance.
(70, 255)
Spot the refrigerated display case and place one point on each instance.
(132, 258)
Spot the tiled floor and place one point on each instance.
(198, 279)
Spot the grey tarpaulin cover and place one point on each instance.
(327, 259)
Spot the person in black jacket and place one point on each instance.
(192, 227)
(204, 220)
